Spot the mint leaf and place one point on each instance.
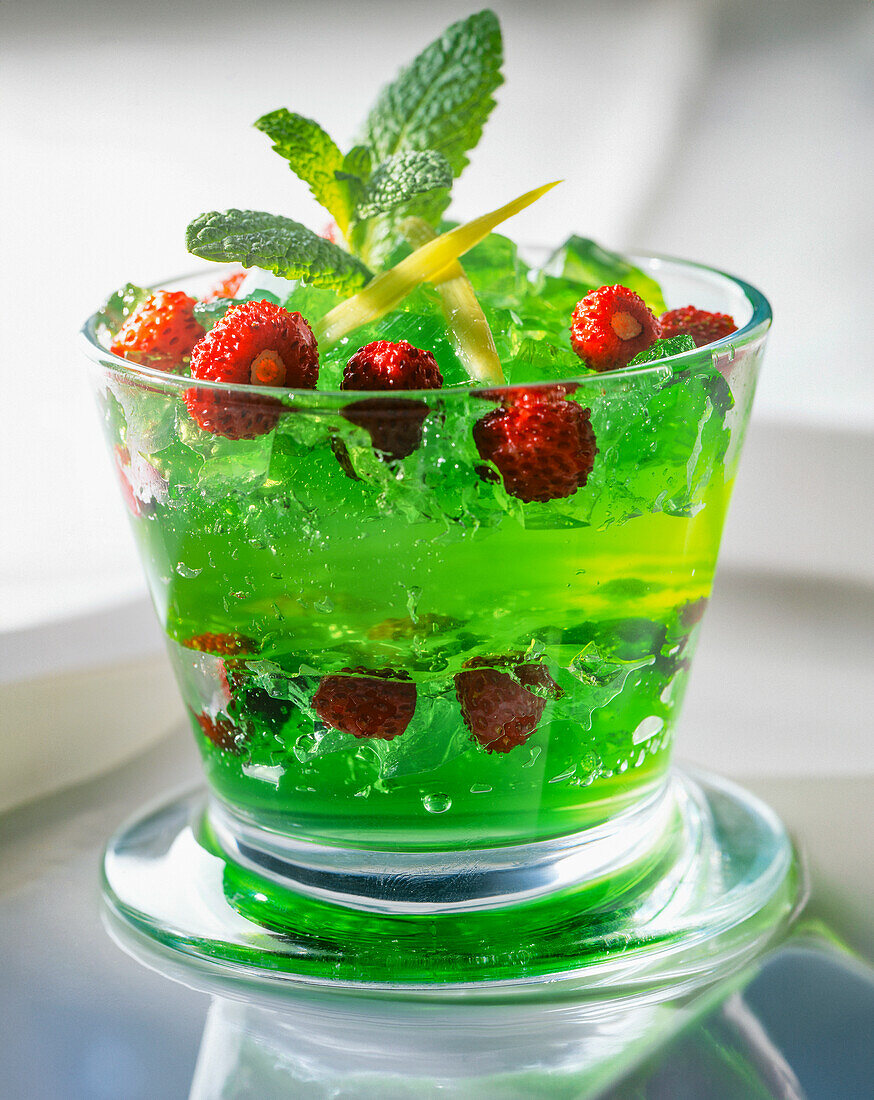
(353, 176)
(443, 98)
(357, 162)
(313, 157)
(275, 244)
(438, 103)
(587, 263)
(661, 349)
(402, 178)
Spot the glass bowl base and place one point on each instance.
(722, 887)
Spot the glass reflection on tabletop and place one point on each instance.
(796, 1028)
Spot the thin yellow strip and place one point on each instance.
(468, 328)
(386, 290)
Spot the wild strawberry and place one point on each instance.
(610, 326)
(702, 326)
(222, 732)
(366, 703)
(253, 704)
(386, 366)
(161, 333)
(257, 344)
(498, 708)
(141, 485)
(223, 645)
(229, 651)
(122, 465)
(542, 444)
(394, 424)
(690, 614)
(227, 288)
(404, 629)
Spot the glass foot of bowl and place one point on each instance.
(719, 885)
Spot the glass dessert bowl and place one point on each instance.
(431, 545)
(417, 696)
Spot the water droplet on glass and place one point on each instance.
(414, 594)
(187, 571)
(649, 727)
(267, 774)
(326, 606)
(305, 746)
(436, 803)
(535, 752)
(478, 788)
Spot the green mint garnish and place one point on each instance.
(442, 99)
(414, 143)
(357, 163)
(587, 263)
(403, 178)
(275, 244)
(439, 102)
(314, 158)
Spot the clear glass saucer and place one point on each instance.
(719, 887)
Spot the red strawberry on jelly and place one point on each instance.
(223, 645)
(703, 327)
(161, 333)
(366, 703)
(393, 424)
(141, 485)
(232, 649)
(221, 732)
(122, 465)
(254, 344)
(610, 326)
(498, 708)
(542, 443)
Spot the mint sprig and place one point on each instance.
(276, 244)
(358, 162)
(402, 178)
(313, 157)
(442, 99)
(439, 102)
(414, 143)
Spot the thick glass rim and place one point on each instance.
(755, 327)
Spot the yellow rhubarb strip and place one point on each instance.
(468, 328)
(386, 290)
